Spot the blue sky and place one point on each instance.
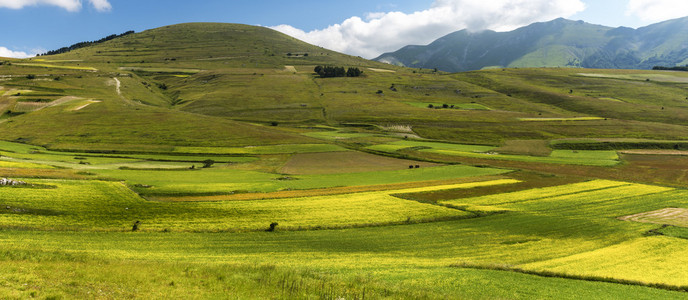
(359, 27)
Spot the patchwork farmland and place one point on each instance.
(232, 170)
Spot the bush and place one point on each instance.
(208, 163)
(272, 227)
(353, 72)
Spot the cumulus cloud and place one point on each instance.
(101, 5)
(4, 52)
(657, 10)
(69, 5)
(389, 31)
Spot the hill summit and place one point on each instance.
(234, 44)
(557, 43)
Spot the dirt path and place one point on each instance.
(87, 104)
(117, 86)
(118, 89)
(655, 152)
(382, 70)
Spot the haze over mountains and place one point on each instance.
(557, 43)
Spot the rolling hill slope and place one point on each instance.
(213, 84)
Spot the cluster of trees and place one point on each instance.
(684, 68)
(439, 107)
(330, 71)
(86, 44)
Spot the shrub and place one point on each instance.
(208, 163)
(272, 227)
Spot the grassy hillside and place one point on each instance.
(243, 73)
(209, 45)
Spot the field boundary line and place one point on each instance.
(552, 274)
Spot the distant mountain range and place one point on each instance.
(557, 43)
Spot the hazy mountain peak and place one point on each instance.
(556, 43)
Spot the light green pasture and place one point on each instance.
(227, 181)
(593, 158)
(275, 149)
(466, 106)
(110, 206)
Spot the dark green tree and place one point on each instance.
(208, 163)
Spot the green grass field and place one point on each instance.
(553, 230)
(219, 181)
(206, 134)
(68, 206)
(573, 157)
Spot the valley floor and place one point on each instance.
(383, 230)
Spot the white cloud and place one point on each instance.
(101, 5)
(69, 5)
(4, 52)
(657, 10)
(383, 32)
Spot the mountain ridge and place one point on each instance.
(557, 43)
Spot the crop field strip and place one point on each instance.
(331, 190)
(213, 181)
(35, 153)
(112, 256)
(640, 260)
(68, 207)
(573, 157)
(606, 201)
(346, 162)
(572, 195)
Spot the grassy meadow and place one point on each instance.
(209, 161)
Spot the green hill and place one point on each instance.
(558, 43)
(214, 84)
(209, 46)
(230, 71)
